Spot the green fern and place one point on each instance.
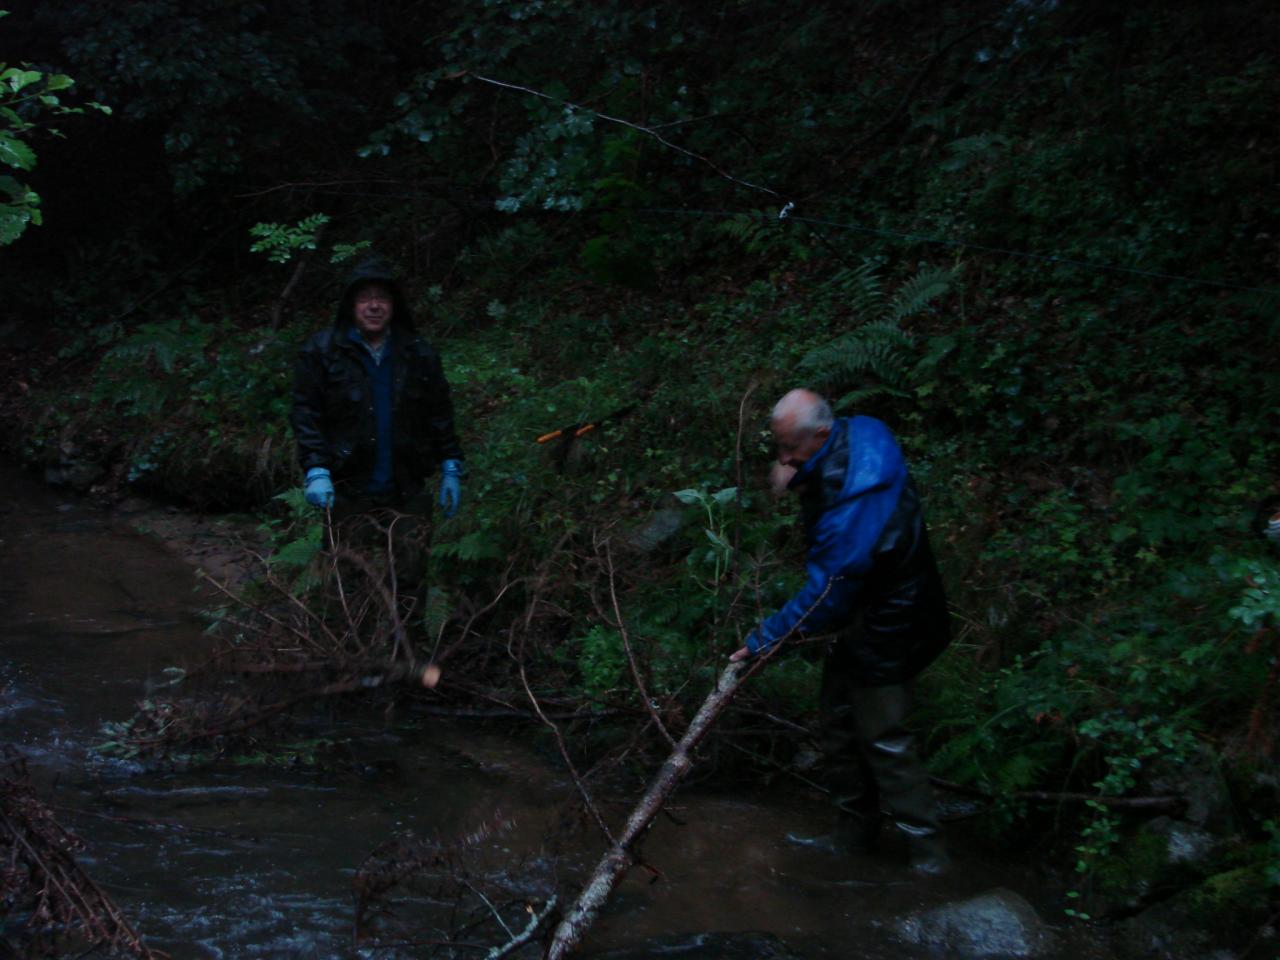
(875, 356)
(879, 357)
(983, 758)
(860, 289)
(762, 234)
(919, 292)
(963, 756)
(1019, 770)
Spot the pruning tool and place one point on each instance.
(574, 431)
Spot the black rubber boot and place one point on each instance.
(902, 781)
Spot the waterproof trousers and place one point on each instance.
(871, 762)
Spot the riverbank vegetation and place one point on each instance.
(1039, 239)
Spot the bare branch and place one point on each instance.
(626, 645)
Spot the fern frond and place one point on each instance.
(879, 351)
(762, 234)
(858, 398)
(745, 228)
(960, 758)
(860, 288)
(927, 285)
(1020, 770)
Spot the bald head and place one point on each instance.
(801, 424)
(805, 409)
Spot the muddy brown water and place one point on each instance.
(252, 862)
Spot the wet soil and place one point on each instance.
(258, 862)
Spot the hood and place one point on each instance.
(374, 268)
(860, 456)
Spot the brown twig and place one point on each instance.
(40, 867)
(581, 786)
(626, 646)
(337, 573)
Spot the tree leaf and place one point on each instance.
(15, 153)
(716, 539)
(18, 79)
(727, 495)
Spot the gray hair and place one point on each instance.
(811, 411)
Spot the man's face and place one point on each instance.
(797, 444)
(373, 308)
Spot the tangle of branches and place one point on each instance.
(57, 904)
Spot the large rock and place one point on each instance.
(1162, 855)
(995, 924)
(1184, 843)
(659, 530)
(1162, 933)
(1199, 780)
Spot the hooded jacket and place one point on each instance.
(333, 415)
(868, 556)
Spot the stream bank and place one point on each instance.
(259, 861)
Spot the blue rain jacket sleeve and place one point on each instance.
(862, 474)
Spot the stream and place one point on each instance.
(258, 862)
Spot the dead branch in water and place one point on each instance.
(64, 906)
(336, 628)
(620, 856)
(622, 853)
(449, 873)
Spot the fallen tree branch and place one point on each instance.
(525, 935)
(620, 856)
(40, 873)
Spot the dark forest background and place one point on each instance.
(1038, 238)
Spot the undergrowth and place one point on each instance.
(1091, 438)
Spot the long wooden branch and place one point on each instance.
(619, 857)
(620, 854)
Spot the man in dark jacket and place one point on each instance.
(874, 583)
(371, 408)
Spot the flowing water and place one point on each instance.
(254, 862)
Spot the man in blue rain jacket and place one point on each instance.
(874, 584)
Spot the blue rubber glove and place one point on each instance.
(319, 489)
(450, 486)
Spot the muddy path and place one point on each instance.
(258, 862)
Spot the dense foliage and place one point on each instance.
(1039, 238)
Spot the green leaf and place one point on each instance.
(297, 553)
(716, 539)
(15, 153)
(690, 496)
(727, 495)
(11, 225)
(19, 79)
